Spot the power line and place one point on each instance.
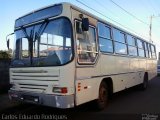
(102, 5)
(110, 18)
(129, 13)
(150, 25)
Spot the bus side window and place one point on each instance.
(140, 48)
(78, 28)
(149, 50)
(153, 51)
(105, 40)
(86, 45)
(132, 48)
(119, 41)
(146, 49)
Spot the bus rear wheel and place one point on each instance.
(102, 100)
(144, 85)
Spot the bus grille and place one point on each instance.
(34, 80)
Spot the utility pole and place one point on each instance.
(150, 27)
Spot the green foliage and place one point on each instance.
(5, 55)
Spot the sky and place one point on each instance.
(132, 15)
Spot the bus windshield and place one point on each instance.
(48, 43)
(39, 15)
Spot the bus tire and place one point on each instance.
(144, 85)
(102, 100)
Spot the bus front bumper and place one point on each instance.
(58, 101)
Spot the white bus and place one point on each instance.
(65, 56)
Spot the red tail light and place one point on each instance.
(64, 90)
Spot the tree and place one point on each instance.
(5, 55)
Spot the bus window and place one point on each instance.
(119, 41)
(130, 40)
(140, 48)
(118, 36)
(105, 41)
(149, 50)
(86, 46)
(104, 31)
(120, 48)
(132, 49)
(146, 49)
(153, 51)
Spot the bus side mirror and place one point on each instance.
(8, 40)
(85, 24)
(8, 43)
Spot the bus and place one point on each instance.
(65, 56)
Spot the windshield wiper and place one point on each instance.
(41, 29)
(31, 39)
